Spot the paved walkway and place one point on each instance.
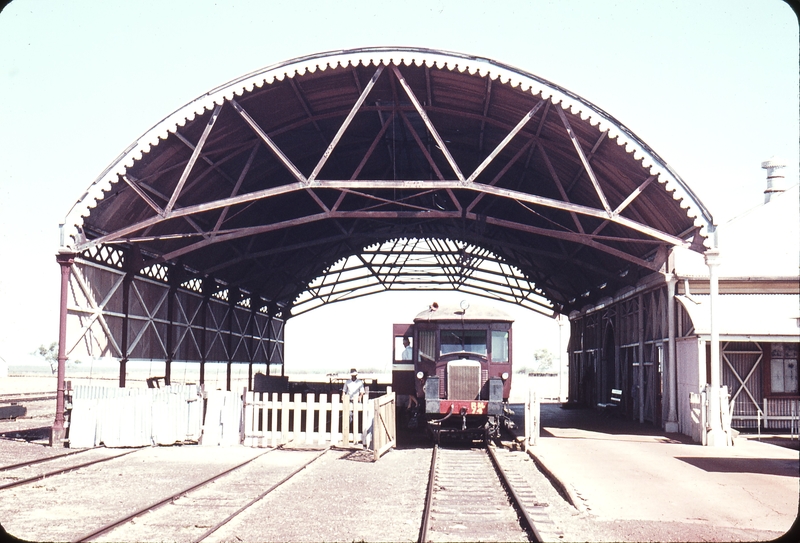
(622, 470)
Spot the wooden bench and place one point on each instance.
(614, 402)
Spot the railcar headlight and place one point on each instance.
(420, 375)
(504, 376)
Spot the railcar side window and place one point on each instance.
(499, 346)
(402, 353)
(471, 341)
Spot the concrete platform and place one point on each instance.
(620, 470)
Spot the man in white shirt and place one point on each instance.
(407, 352)
(354, 388)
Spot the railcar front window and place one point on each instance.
(471, 341)
(427, 345)
(499, 346)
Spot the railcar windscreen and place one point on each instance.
(471, 341)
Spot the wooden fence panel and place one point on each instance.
(223, 419)
(134, 417)
(384, 429)
(272, 419)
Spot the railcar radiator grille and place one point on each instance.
(463, 380)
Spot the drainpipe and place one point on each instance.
(716, 435)
(59, 432)
(671, 425)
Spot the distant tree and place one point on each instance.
(543, 359)
(50, 354)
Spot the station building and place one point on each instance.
(630, 340)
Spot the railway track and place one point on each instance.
(197, 512)
(42, 468)
(473, 496)
(16, 397)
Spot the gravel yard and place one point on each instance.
(344, 496)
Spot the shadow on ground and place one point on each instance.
(768, 466)
(31, 434)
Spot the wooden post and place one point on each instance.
(335, 410)
(345, 420)
(274, 417)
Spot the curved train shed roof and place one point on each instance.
(345, 173)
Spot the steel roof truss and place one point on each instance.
(345, 124)
(195, 154)
(215, 166)
(589, 158)
(375, 141)
(500, 146)
(130, 180)
(235, 191)
(271, 144)
(560, 187)
(633, 195)
(421, 145)
(589, 171)
(503, 171)
(439, 141)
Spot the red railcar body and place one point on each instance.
(456, 363)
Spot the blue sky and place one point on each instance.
(711, 86)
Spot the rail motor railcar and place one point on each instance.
(456, 362)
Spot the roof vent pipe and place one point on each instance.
(775, 176)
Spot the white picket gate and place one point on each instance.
(273, 419)
(134, 417)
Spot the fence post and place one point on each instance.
(345, 420)
(335, 418)
(247, 420)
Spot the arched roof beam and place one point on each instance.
(368, 184)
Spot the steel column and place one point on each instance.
(58, 432)
(672, 370)
(640, 376)
(716, 434)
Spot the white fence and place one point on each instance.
(134, 417)
(277, 419)
(138, 417)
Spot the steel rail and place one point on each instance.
(64, 470)
(520, 507)
(259, 497)
(40, 460)
(426, 512)
(113, 524)
(528, 524)
(28, 397)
